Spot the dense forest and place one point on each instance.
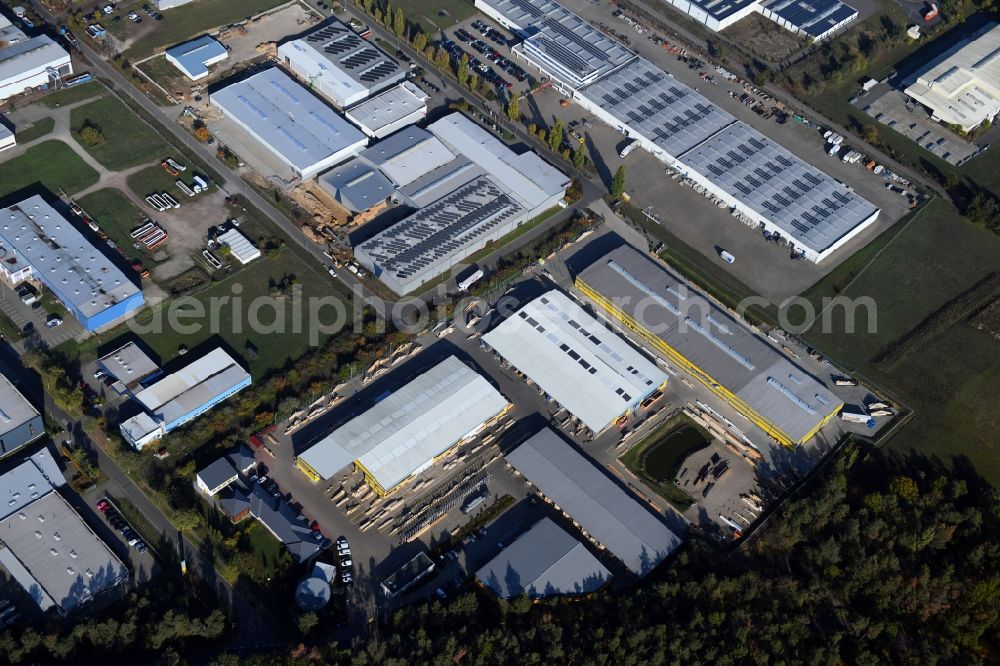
(882, 560)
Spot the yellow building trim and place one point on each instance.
(308, 470)
(717, 388)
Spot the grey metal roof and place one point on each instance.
(356, 186)
(653, 104)
(601, 507)
(20, 422)
(408, 574)
(582, 365)
(288, 119)
(219, 472)
(129, 364)
(430, 241)
(45, 545)
(242, 458)
(724, 349)
(813, 17)
(543, 561)
(409, 428)
(71, 266)
(810, 207)
(283, 522)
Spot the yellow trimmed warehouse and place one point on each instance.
(704, 340)
(404, 433)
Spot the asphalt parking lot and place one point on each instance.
(693, 218)
(21, 314)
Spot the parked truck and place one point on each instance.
(856, 415)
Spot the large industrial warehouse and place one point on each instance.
(389, 111)
(704, 340)
(469, 188)
(20, 422)
(777, 190)
(42, 245)
(544, 561)
(557, 41)
(604, 510)
(27, 63)
(45, 545)
(289, 122)
(815, 20)
(579, 363)
(403, 433)
(751, 173)
(340, 65)
(962, 85)
(183, 395)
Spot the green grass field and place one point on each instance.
(950, 380)
(117, 216)
(438, 15)
(193, 19)
(36, 131)
(53, 164)
(275, 349)
(128, 140)
(72, 95)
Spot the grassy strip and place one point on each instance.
(117, 216)
(138, 521)
(53, 164)
(128, 141)
(37, 130)
(68, 96)
(8, 329)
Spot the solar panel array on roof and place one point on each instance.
(356, 56)
(815, 18)
(811, 208)
(565, 46)
(518, 13)
(430, 240)
(656, 106)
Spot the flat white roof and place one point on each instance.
(962, 85)
(129, 364)
(409, 428)
(240, 246)
(582, 365)
(192, 386)
(70, 265)
(388, 107)
(287, 119)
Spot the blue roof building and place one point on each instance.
(194, 57)
(38, 243)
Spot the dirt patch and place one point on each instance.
(268, 28)
(765, 39)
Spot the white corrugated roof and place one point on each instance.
(412, 426)
(585, 367)
(192, 386)
(32, 54)
(240, 246)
